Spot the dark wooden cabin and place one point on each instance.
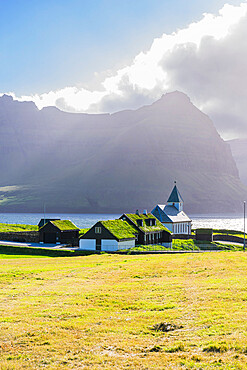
(44, 221)
(150, 229)
(59, 231)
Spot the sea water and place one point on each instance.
(231, 222)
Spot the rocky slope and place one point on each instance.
(114, 163)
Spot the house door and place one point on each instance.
(98, 244)
(50, 238)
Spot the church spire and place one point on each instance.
(175, 199)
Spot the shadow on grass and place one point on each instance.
(182, 246)
(29, 251)
(45, 252)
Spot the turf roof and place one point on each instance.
(120, 229)
(83, 231)
(134, 217)
(64, 225)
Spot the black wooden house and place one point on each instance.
(59, 231)
(150, 229)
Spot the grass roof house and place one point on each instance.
(150, 230)
(110, 236)
(59, 231)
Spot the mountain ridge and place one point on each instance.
(79, 162)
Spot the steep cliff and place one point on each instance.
(114, 163)
(239, 152)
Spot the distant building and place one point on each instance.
(172, 214)
(149, 229)
(59, 231)
(204, 234)
(44, 221)
(109, 236)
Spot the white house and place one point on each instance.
(109, 236)
(172, 214)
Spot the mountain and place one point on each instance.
(114, 162)
(239, 152)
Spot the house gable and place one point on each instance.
(111, 229)
(93, 234)
(49, 227)
(61, 225)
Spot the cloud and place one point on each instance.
(206, 60)
(214, 75)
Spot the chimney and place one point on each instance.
(137, 212)
(145, 212)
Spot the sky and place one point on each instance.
(107, 55)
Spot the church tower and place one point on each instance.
(175, 199)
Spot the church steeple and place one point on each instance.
(175, 198)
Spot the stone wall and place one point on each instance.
(183, 236)
(21, 236)
(229, 238)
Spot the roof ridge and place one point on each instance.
(69, 223)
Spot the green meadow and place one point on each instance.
(184, 311)
(17, 227)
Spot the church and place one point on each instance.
(172, 214)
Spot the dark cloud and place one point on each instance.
(215, 77)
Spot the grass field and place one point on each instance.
(17, 227)
(98, 312)
(240, 234)
(188, 245)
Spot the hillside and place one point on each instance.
(114, 163)
(239, 152)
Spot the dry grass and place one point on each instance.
(99, 312)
